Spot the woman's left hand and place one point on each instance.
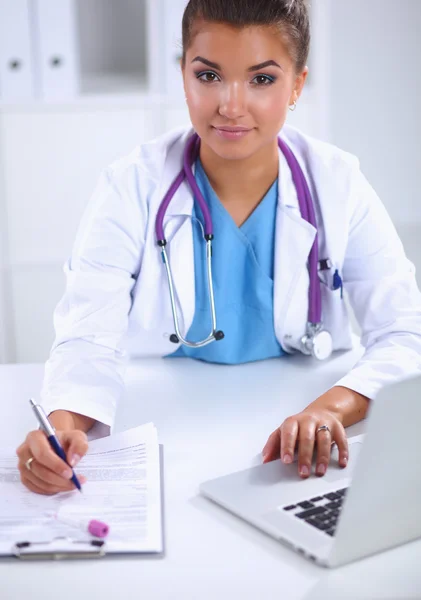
(301, 430)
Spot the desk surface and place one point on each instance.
(212, 420)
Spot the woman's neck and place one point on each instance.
(241, 184)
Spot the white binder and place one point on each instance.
(155, 43)
(57, 59)
(16, 72)
(172, 20)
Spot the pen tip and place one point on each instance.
(31, 402)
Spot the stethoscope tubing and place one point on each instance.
(307, 211)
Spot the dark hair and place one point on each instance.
(290, 16)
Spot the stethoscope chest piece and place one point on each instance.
(317, 342)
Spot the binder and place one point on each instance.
(59, 549)
(154, 44)
(132, 449)
(172, 51)
(16, 66)
(57, 68)
(72, 548)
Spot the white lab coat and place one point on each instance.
(116, 304)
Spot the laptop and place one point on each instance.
(371, 505)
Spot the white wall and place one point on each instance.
(6, 332)
(375, 99)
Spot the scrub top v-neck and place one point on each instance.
(242, 269)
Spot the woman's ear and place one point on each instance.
(299, 84)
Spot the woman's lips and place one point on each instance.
(232, 133)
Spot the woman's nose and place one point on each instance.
(232, 101)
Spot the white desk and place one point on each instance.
(212, 420)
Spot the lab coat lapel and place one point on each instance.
(179, 235)
(293, 242)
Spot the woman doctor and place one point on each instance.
(244, 66)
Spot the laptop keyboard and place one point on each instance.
(321, 511)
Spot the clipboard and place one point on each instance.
(58, 548)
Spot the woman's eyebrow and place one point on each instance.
(212, 65)
(263, 65)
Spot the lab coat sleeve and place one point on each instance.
(84, 372)
(383, 293)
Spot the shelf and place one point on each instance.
(99, 90)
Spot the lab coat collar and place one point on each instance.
(182, 202)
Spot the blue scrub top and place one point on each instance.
(242, 269)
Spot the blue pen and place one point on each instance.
(49, 431)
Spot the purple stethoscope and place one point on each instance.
(316, 342)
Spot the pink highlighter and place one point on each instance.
(96, 528)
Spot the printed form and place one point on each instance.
(123, 490)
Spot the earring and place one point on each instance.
(293, 106)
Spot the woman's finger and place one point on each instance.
(289, 432)
(342, 443)
(43, 474)
(39, 448)
(44, 485)
(46, 488)
(75, 444)
(324, 446)
(34, 488)
(306, 432)
(271, 448)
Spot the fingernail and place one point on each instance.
(67, 474)
(82, 479)
(304, 470)
(321, 469)
(287, 459)
(344, 461)
(74, 460)
(264, 457)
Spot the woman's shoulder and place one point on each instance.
(148, 159)
(316, 153)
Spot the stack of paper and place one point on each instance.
(124, 490)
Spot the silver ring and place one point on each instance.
(322, 428)
(28, 463)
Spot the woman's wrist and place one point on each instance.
(348, 406)
(65, 420)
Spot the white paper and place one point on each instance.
(123, 490)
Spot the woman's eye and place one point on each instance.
(211, 77)
(263, 80)
(207, 76)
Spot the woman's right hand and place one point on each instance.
(48, 473)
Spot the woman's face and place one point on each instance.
(239, 84)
